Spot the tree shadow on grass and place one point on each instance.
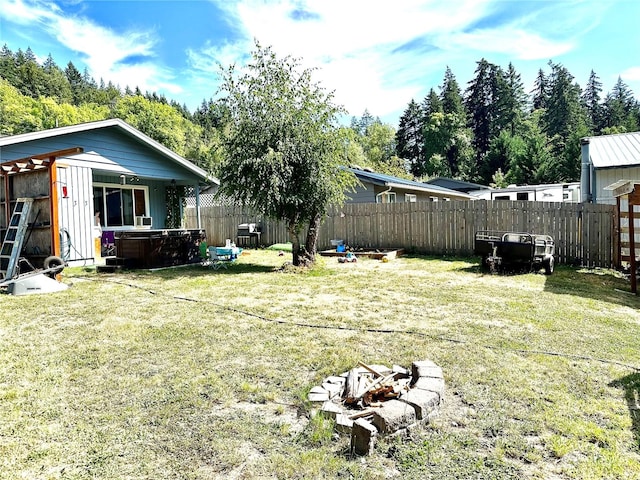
(230, 268)
(631, 386)
(602, 284)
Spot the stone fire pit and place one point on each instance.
(373, 400)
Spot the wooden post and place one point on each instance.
(617, 232)
(53, 207)
(632, 247)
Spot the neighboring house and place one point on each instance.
(379, 188)
(606, 160)
(552, 192)
(104, 172)
(555, 192)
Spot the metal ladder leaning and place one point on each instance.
(14, 237)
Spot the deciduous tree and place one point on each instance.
(283, 151)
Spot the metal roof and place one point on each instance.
(455, 184)
(620, 150)
(389, 181)
(113, 122)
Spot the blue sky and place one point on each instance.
(375, 55)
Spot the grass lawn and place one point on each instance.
(192, 373)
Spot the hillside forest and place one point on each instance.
(490, 131)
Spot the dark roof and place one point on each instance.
(390, 181)
(459, 185)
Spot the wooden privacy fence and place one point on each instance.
(584, 233)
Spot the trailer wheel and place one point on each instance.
(548, 265)
(484, 263)
(55, 263)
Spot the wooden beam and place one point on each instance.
(34, 161)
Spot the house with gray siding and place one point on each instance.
(92, 179)
(376, 187)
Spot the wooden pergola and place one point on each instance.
(628, 190)
(31, 164)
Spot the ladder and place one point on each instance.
(14, 237)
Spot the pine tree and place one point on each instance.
(564, 121)
(31, 77)
(479, 103)
(450, 95)
(362, 124)
(75, 82)
(56, 83)
(8, 68)
(511, 100)
(619, 106)
(409, 137)
(591, 102)
(431, 104)
(540, 92)
(563, 112)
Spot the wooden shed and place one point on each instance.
(98, 180)
(627, 195)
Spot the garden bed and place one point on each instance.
(375, 254)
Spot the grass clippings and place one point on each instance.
(195, 373)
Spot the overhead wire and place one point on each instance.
(374, 330)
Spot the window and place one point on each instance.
(119, 206)
(386, 197)
(433, 199)
(501, 197)
(523, 196)
(410, 197)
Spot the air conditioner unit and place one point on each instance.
(143, 222)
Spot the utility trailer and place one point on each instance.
(512, 250)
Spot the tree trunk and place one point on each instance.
(311, 243)
(304, 255)
(294, 238)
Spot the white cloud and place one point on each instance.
(26, 13)
(631, 74)
(209, 57)
(105, 51)
(376, 54)
(515, 43)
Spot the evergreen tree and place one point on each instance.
(511, 100)
(209, 115)
(450, 95)
(56, 83)
(31, 77)
(409, 137)
(540, 92)
(360, 125)
(619, 108)
(506, 153)
(592, 103)
(480, 103)
(563, 112)
(74, 77)
(8, 69)
(430, 104)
